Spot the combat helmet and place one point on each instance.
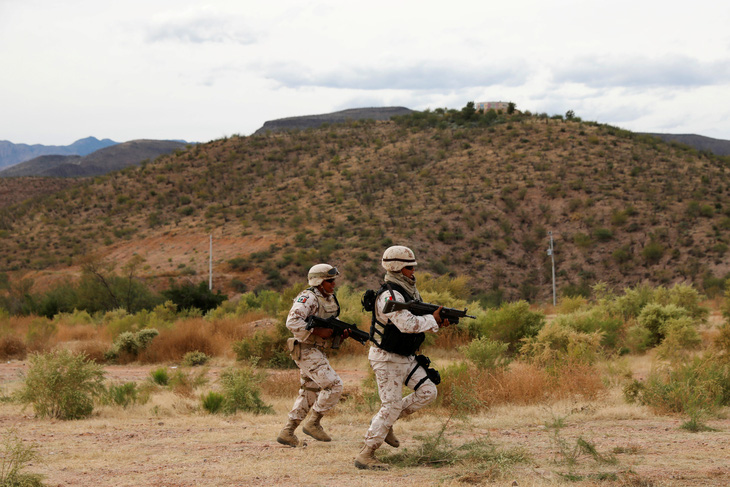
(320, 272)
(397, 257)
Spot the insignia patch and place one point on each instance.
(302, 299)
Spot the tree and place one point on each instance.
(511, 108)
(188, 295)
(569, 115)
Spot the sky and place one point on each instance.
(203, 70)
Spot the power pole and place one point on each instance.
(552, 257)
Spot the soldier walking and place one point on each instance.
(320, 386)
(396, 337)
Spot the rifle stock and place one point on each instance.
(339, 328)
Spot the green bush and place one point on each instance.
(188, 295)
(259, 347)
(680, 336)
(654, 317)
(700, 385)
(486, 354)
(192, 359)
(62, 385)
(555, 345)
(129, 345)
(213, 402)
(242, 393)
(14, 458)
(509, 324)
(160, 376)
(122, 394)
(594, 320)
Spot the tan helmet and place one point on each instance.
(320, 272)
(397, 257)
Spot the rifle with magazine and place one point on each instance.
(339, 328)
(421, 309)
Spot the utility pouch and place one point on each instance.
(294, 347)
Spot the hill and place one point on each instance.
(97, 163)
(716, 146)
(473, 196)
(11, 153)
(314, 121)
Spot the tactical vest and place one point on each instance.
(325, 309)
(387, 336)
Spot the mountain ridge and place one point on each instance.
(11, 153)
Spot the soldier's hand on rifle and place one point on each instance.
(323, 332)
(443, 323)
(345, 333)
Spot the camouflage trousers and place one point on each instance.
(319, 385)
(390, 377)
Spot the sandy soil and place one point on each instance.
(169, 442)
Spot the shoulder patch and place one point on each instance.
(302, 299)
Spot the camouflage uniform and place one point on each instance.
(391, 371)
(320, 386)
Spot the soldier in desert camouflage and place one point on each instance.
(396, 337)
(320, 386)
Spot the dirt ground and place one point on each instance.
(170, 442)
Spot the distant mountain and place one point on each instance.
(100, 162)
(11, 153)
(716, 146)
(314, 121)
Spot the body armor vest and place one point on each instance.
(387, 336)
(325, 309)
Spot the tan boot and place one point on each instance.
(312, 427)
(366, 460)
(287, 436)
(391, 439)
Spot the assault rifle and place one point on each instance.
(421, 309)
(339, 328)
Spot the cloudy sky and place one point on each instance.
(164, 69)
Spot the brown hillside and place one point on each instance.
(476, 201)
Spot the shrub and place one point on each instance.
(654, 317)
(557, 345)
(160, 376)
(14, 458)
(486, 353)
(680, 336)
(62, 385)
(213, 402)
(242, 393)
(260, 346)
(122, 394)
(12, 347)
(509, 324)
(128, 345)
(594, 320)
(188, 295)
(702, 384)
(191, 359)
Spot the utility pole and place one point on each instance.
(552, 257)
(210, 265)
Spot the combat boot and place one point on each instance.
(287, 436)
(312, 427)
(366, 460)
(391, 439)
